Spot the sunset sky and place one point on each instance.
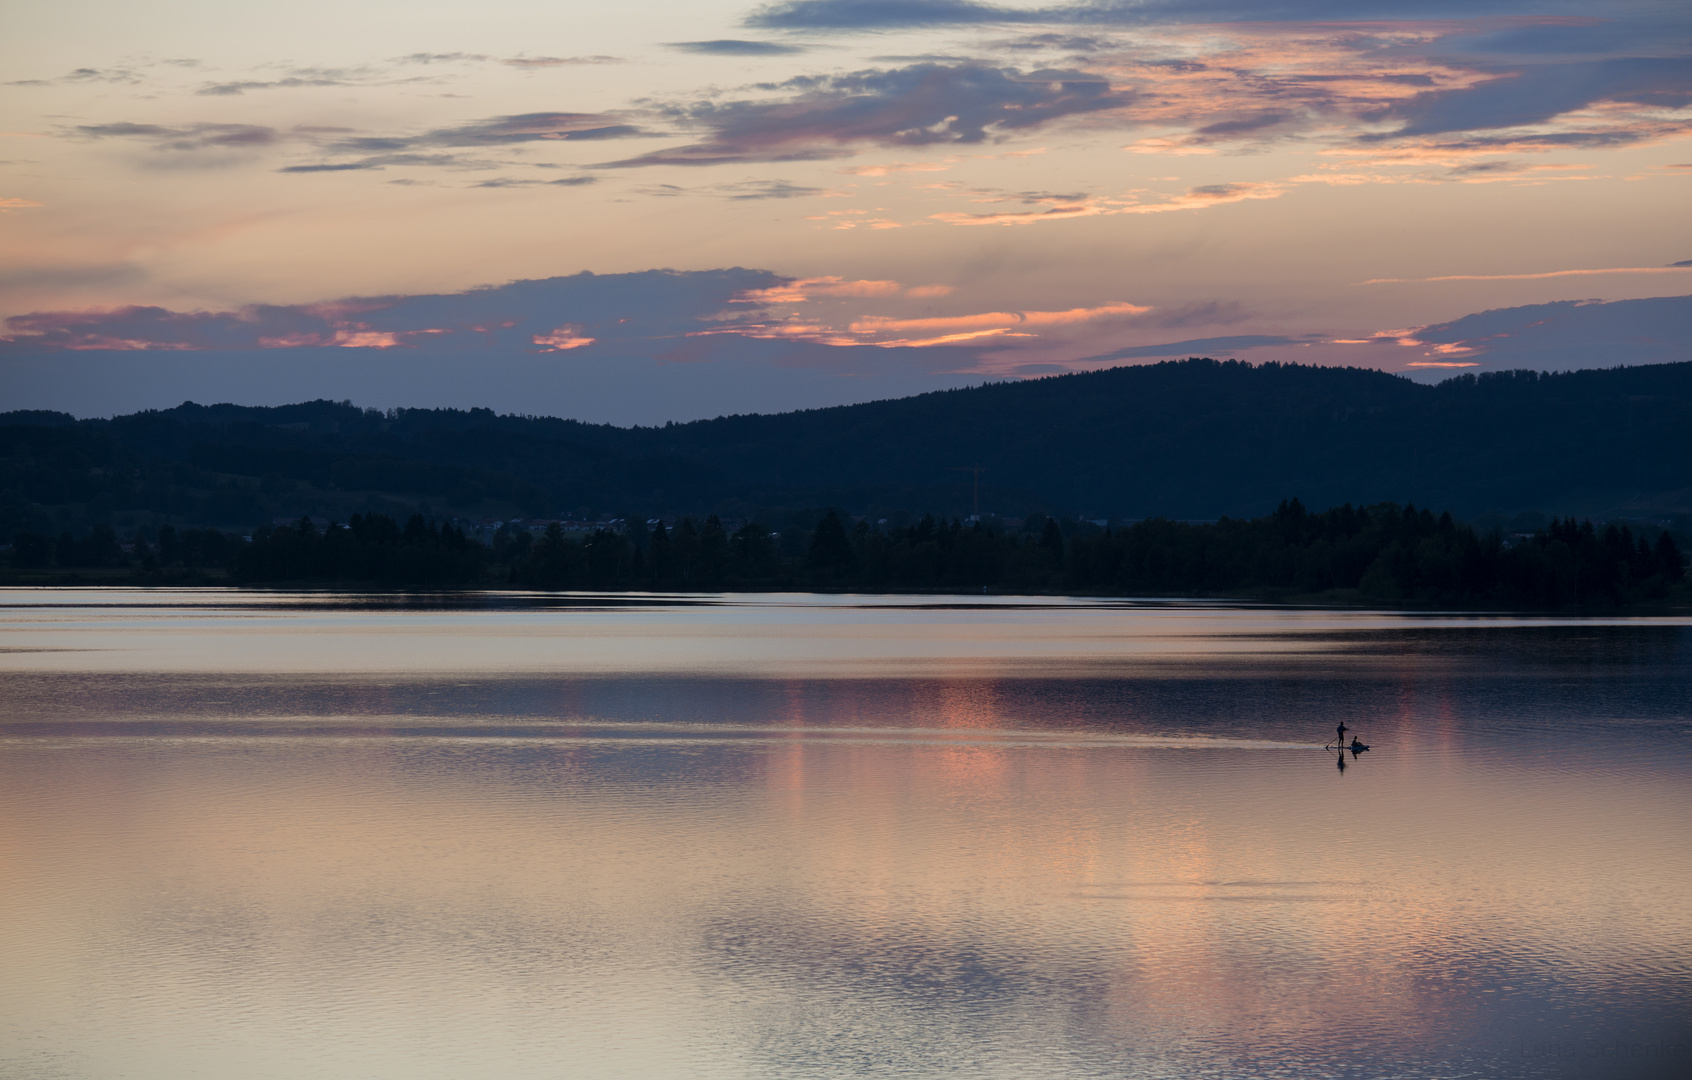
(851, 199)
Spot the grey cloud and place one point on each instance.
(1195, 347)
(120, 130)
(919, 105)
(1065, 42)
(1635, 52)
(1247, 124)
(1571, 334)
(188, 137)
(1483, 168)
(737, 47)
(1683, 262)
(380, 161)
(347, 167)
(90, 75)
(745, 190)
(1618, 31)
(768, 189)
(229, 89)
(509, 182)
(882, 14)
(609, 131)
(442, 58)
(899, 14)
(508, 61)
(1536, 94)
(923, 58)
(557, 61)
(507, 130)
(383, 150)
(119, 75)
(1557, 140)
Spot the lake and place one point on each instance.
(286, 835)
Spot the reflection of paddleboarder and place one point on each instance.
(1341, 737)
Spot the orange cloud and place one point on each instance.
(1197, 198)
(568, 336)
(7, 204)
(948, 339)
(805, 288)
(1002, 320)
(783, 331)
(896, 167)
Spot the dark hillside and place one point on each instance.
(1194, 439)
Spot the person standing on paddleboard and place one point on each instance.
(1342, 733)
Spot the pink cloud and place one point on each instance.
(1003, 320)
(805, 288)
(568, 336)
(1197, 198)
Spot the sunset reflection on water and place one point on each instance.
(868, 851)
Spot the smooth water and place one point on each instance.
(261, 836)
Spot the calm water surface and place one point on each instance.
(307, 836)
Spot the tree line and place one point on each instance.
(1383, 553)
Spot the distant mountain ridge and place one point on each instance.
(1193, 439)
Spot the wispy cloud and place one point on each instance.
(1676, 268)
(511, 182)
(186, 138)
(738, 47)
(1065, 207)
(819, 117)
(534, 62)
(846, 15)
(440, 147)
(231, 89)
(819, 296)
(84, 75)
(1196, 347)
(13, 203)
(520, 61)
(1007, 320)
(803, 289)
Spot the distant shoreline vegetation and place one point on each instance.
(1383, 554)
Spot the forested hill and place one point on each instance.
(1194, 439)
